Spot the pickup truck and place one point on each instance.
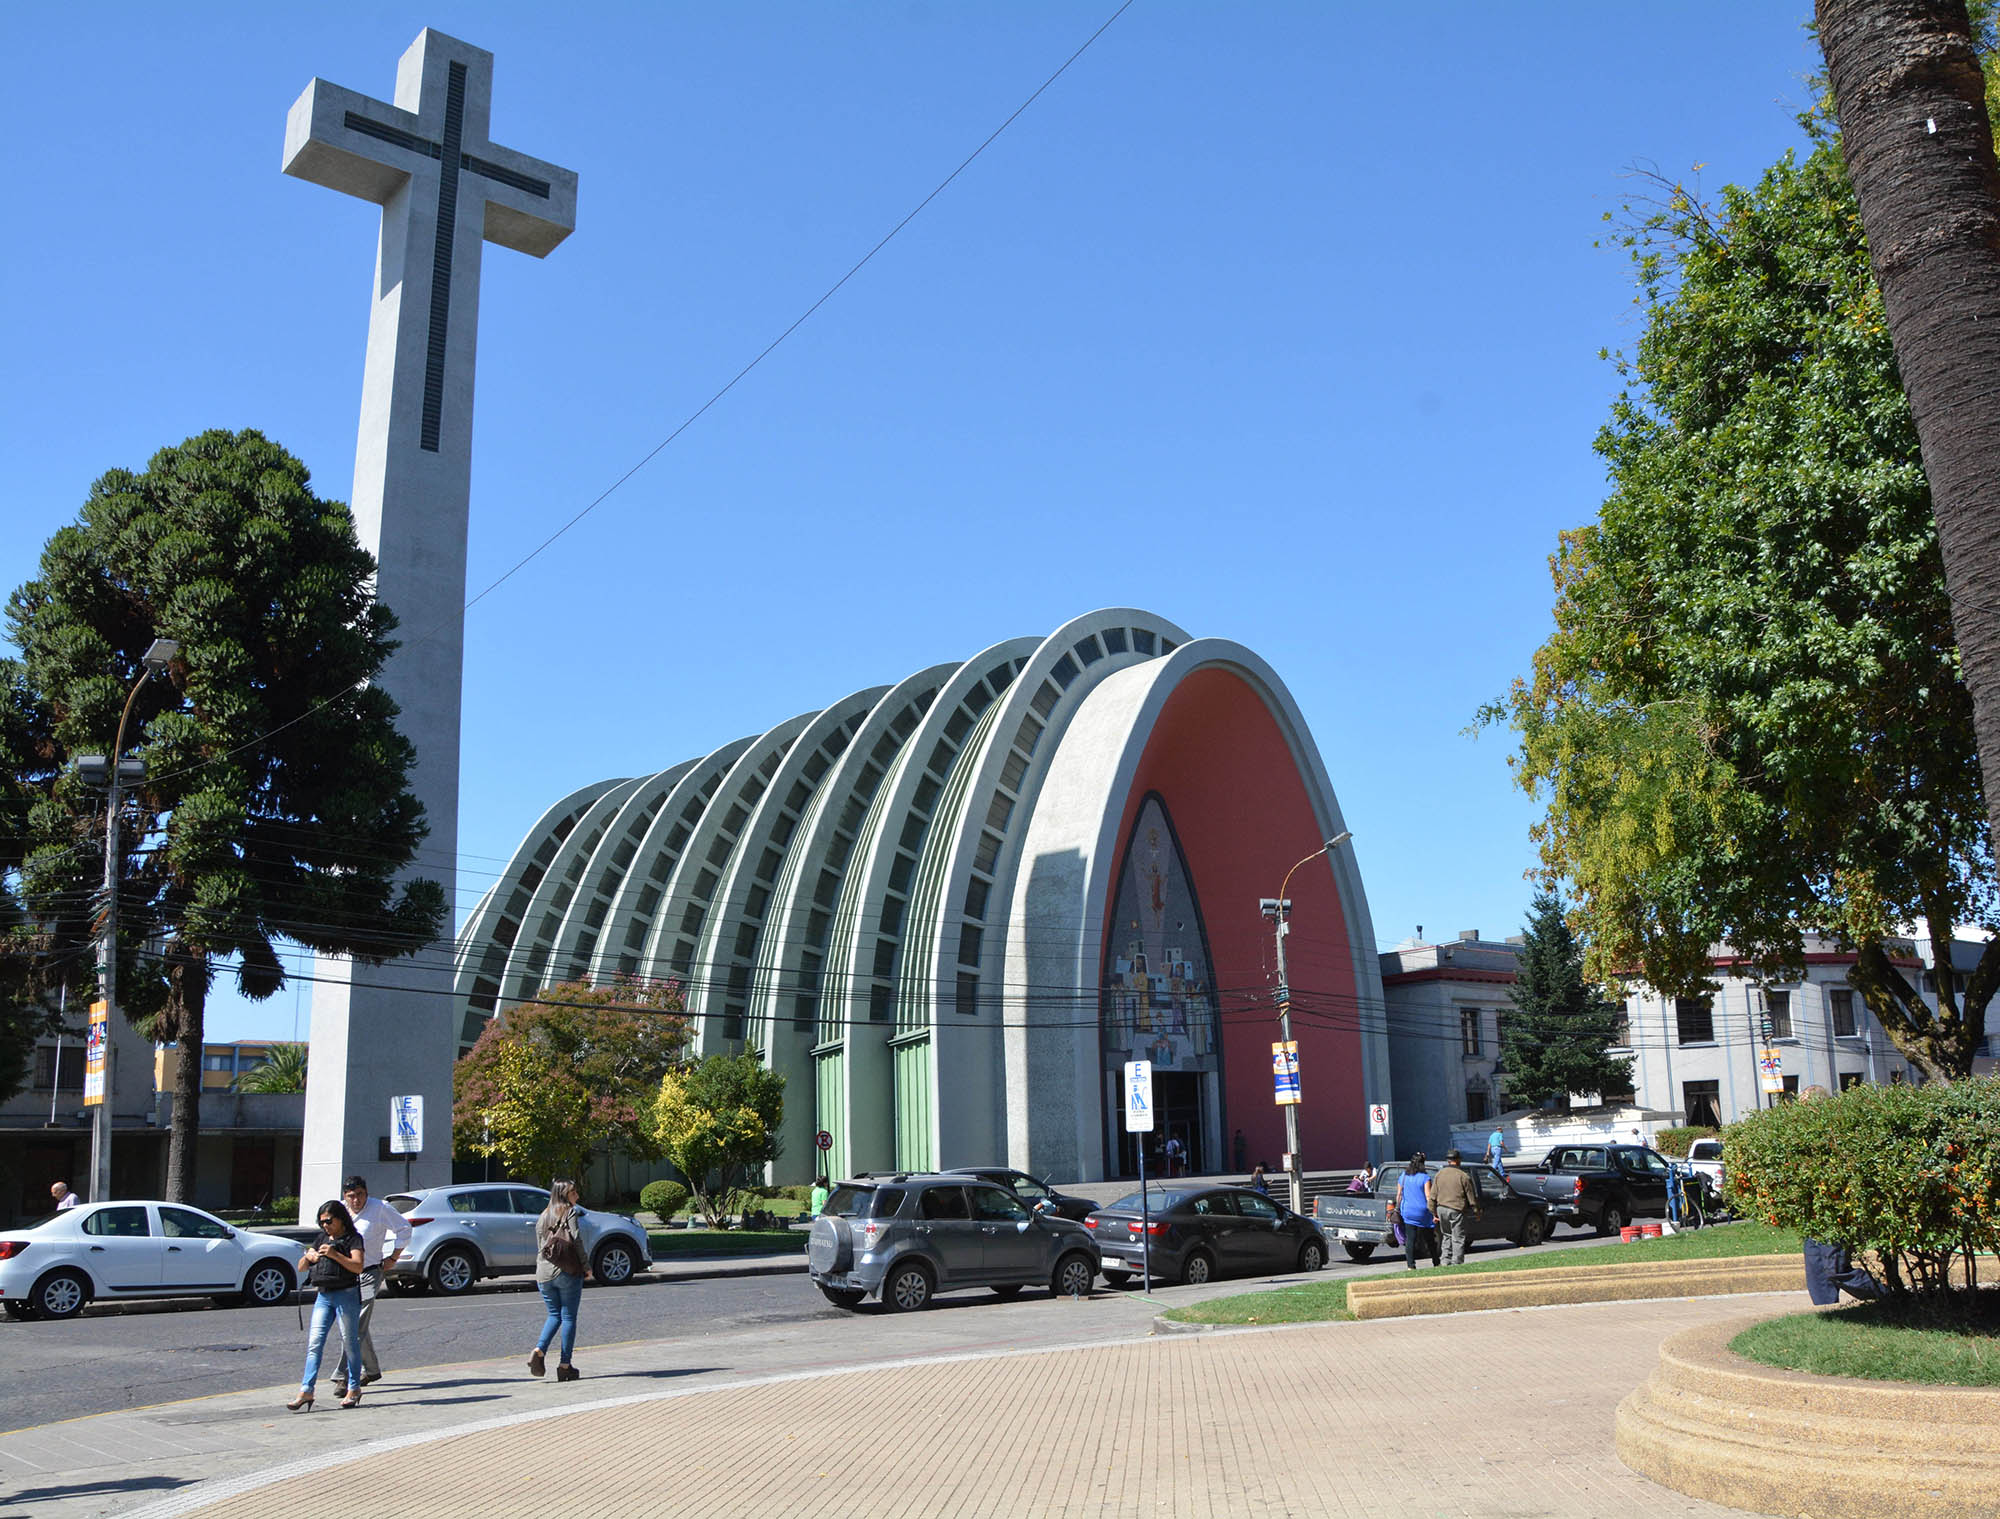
(1604, 1186)
(1361, 1222)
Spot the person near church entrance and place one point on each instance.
(1453, 1194)
(1176, 1156)
(64, 1198)
(1257, 1182)
(377, 1223)
(1496, 1151)
(1417, 1224)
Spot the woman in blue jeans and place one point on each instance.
(562, 1290)
(1413, 1207)
(334, 1263)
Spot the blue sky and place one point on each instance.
(1280, 320)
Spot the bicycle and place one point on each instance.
(1688, 1201)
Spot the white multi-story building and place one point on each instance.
(1444, 1003)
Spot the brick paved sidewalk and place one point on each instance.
(1494, 1414)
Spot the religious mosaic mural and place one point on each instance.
(1159, 988)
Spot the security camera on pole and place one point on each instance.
(1285, 1053)
(113, 774)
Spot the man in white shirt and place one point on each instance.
(64, 1198)
(377, 1223)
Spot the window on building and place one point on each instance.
(1842, 1002)
(1850, 1079)
(1468, 1030)
(1778, 1008)
(1702, 1101)
(1475, 1106)
(69, 1078)
(1695, 1017)
(1621, 1025)
(1791, 1091)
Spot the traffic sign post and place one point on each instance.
(1378, 1118)
(824, 1140)
(1139, 1120)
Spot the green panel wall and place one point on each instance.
(830, 1107)
(916, 1129)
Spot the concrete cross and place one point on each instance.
(445, 190)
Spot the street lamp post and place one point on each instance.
(1278, 910)
(113, 774)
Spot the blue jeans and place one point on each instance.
(343, 1304)
(562, 1292)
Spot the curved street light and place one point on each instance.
(1278, 910)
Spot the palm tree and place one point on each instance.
(283, 1070)
(1918, 141)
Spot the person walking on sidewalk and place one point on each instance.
(334, 1260)
(1496, 1151)
(1453, 1194)
(377, 1223)
(560, 1271)
(63, 1198)
(1413, 1209)
(820, 1193)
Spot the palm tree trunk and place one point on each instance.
(1919, 147)
(187, 994)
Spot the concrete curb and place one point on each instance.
(1713, 1425)
(1386, 1297)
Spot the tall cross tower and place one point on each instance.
(445, 189)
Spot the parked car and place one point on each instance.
(1361, 1221)
(1603, 1186)
(117, 1250)
(1202, 1232)
(1705, 1156)
(905, 1238)
(1035, 1193)
(460, 1234)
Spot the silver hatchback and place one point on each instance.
(906, 1238)
(460, 1234)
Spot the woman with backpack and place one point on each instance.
(560, 1272)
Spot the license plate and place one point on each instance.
(1353, 1234)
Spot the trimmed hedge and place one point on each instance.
(663, 1198)
(1912, 1173)
(1676, 1141)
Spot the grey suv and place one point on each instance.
(460, 1234)
(905, 1238)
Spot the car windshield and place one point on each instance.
(46, 1218)
(403, 1202)
(1163, 1201)
(1705, 1149)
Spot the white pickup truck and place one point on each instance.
(1705, 1156)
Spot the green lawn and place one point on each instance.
(1328, 1300)
(674, 1244)
(1861, 1341)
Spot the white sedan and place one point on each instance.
(112, 1251)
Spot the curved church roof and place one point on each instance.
(896, 860)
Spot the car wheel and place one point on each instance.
(453, 1271)
(1117, 1278)
(268, 1284)
(909, 1288)
(1357, 1252)
(843, 1297)
(1311, 1256)
(59, 1295)
(19, 1310)
(1611, 1220)
(1534, 1229)
(1074, 1276)
(1009, 1289)
(1196, 1269)
(614, 1263)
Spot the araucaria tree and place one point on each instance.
(1749, 722)
(275, 805)
(1555, 1039)
(569, 1074)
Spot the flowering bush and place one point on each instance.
(1911, 1173)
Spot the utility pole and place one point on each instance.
(96, 769)
(1278, 910)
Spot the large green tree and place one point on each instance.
(570, 1073)
(718, 1122)
(1749, 722)
(275, 805)
(1555, 1038)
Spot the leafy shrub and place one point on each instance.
(664, 1198)
(1912, 1173)
(1676, 1141)
(284, 1207)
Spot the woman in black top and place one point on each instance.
(334, 1265)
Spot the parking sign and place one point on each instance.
(406, 1125)
(1138, 1096)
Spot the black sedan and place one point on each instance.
(1035, 1194)
(1204, 1232)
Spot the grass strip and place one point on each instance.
(1862, 1340)
(1318, 1300)
(683, 1244)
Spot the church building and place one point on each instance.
(950, 909)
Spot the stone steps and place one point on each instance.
(1418, 1292)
